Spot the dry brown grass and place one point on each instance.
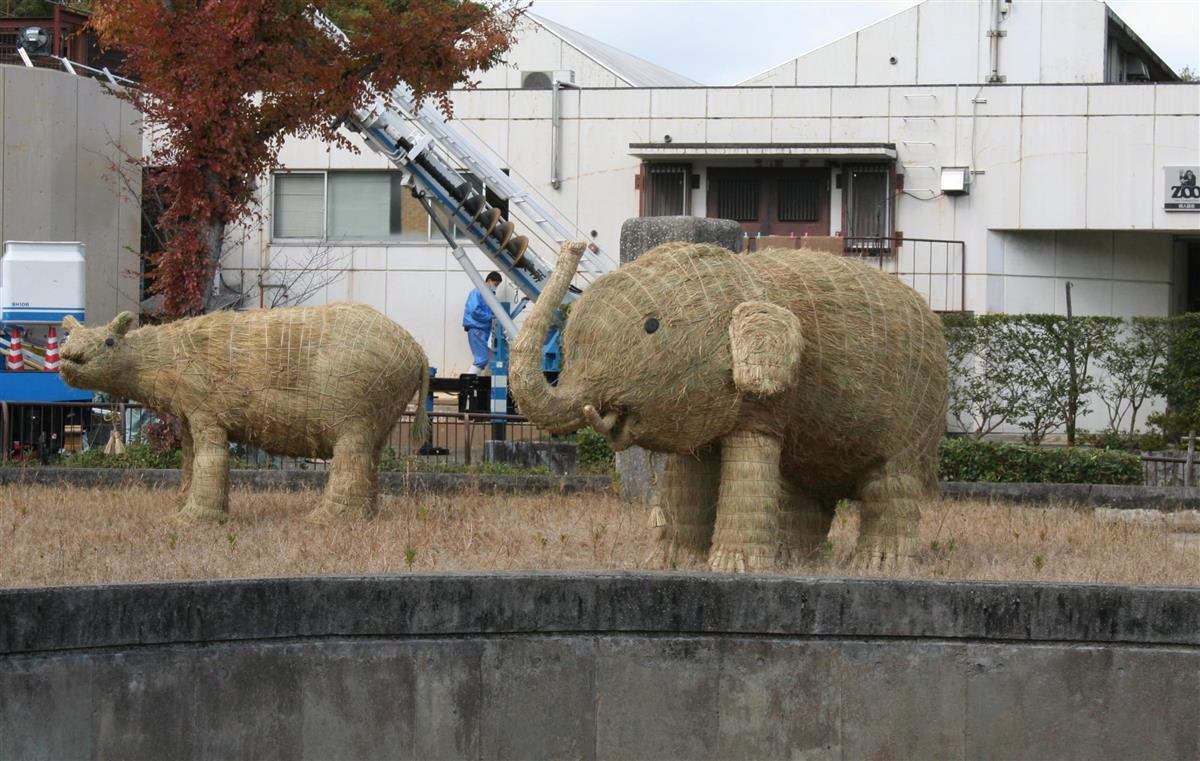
(51, 536)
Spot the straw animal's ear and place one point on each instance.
(70, 323)
(766, 344)
(120, 324)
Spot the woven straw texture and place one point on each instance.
(321, 382)
(801, 377)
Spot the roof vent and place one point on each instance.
(544, 80)
(1136, 70)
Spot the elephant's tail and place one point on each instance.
(420, 428)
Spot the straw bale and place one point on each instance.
(809, 377)
(322, 382)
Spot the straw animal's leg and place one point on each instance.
(353, 478)
(687, 504)
(188, 452)
(804, 523)
(889, 518)
(208, 492)
(746, 537)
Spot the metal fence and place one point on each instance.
(936, 269)
(31, 432)
(1169, 468)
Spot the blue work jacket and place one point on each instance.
(476, 313)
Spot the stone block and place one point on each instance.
(640, 234)
(641, 473)
(558, 456)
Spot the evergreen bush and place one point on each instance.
(965, 459)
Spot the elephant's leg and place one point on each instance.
(353, 478)
(187, 452)
(746, 537)
(889, 518)
(208, 479)
(687, 504)
(804, 524)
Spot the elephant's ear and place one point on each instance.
(766, 345)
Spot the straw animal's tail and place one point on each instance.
(420, 429)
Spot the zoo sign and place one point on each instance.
(1181, 191)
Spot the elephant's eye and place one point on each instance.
(651, 324)
(110, 342)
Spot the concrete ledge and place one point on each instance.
(389, 482)
(599, 666)
(1100, 495)
(134, 615)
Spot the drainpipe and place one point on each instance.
(556, 88)
(994, 35)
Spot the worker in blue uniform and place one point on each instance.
(477, 321)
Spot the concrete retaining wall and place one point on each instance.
(389, 483)
(1099, 495)
(599, 666)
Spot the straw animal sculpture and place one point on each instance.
(780, 382)
(327, 381)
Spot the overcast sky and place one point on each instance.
(722, 42)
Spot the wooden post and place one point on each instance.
(1189, 462)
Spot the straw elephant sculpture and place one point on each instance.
(322, 382)
(779, 382)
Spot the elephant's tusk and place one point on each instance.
(602, 425)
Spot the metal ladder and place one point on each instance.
(418, 141)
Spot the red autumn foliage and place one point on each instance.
(225, 81)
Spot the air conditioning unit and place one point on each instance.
(544, 80)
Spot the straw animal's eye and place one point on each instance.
(651, 324)
(110, 342)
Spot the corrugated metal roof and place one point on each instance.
(636, 71)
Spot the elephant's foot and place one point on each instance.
(339, 511)
(672, 552)
(884, 554)
(676, 544)
(195, 512)
(743, 558)
(804, 552)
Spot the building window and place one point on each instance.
(299, 208)
(868, 206)
(347, 206)
(780, 201)
(800, 198)
(737, 197)
(665, 190)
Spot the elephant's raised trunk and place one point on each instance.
(537, 399)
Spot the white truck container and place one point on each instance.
(41, 283)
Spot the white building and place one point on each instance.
(1064, 132)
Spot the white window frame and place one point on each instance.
(324, 205)
(324, 237)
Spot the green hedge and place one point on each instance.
(593, 454)
(965, 459)
(135, 456)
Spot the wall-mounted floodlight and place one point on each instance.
(956, 180)
(34, 40)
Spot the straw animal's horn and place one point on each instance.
(547, 406)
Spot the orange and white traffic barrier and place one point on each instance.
(52, 360)
(16, 358)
